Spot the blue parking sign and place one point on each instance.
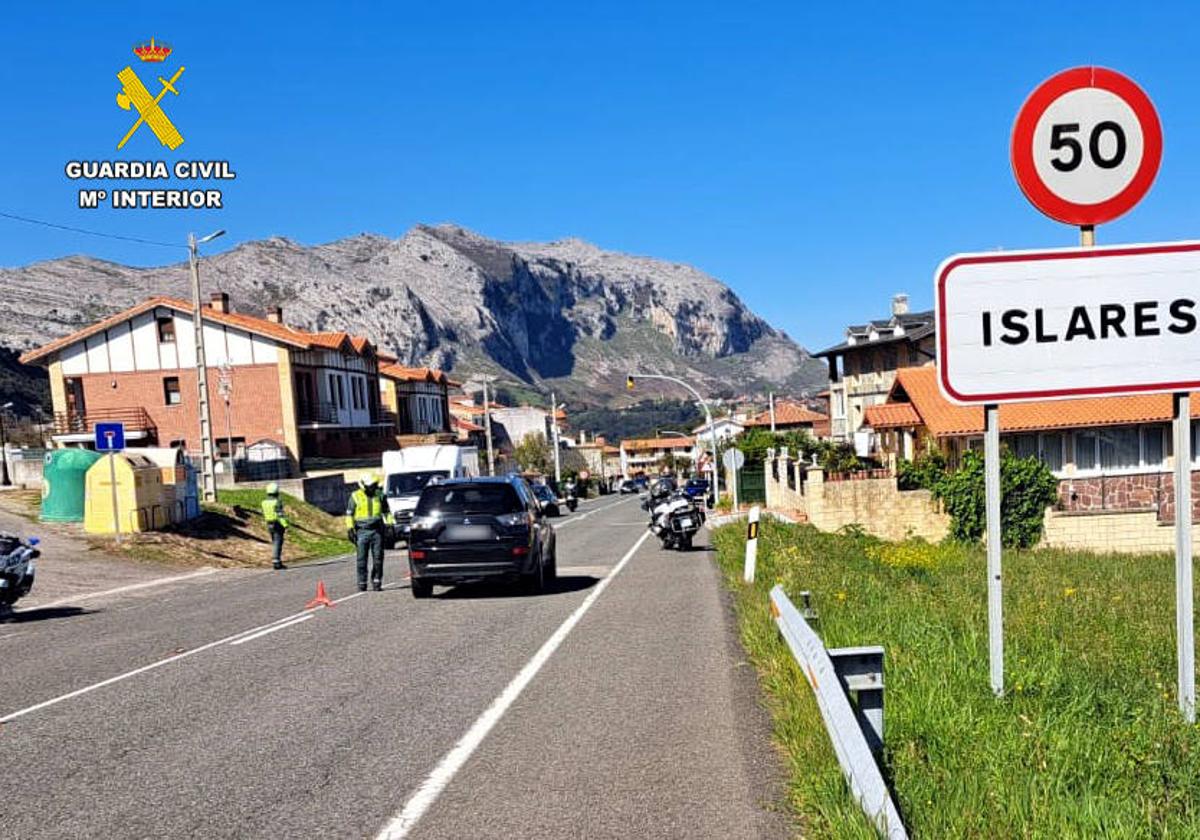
(110, 437)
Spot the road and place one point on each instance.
(616, 706)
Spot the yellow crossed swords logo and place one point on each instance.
(134, 93)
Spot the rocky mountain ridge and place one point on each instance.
(563, 313)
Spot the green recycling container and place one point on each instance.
(63, 482)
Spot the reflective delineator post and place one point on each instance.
(1184, 601)
(995, 589)
(751, 545)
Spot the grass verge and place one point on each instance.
(1088, 742)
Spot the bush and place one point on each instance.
(922, 474)
(1027, 488)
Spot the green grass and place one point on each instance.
(1088, 741)
(313, 533)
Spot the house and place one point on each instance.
(512, 426)
(725, 428)
(419, 399)
(1108, 453)
(790, 416)
(317, 394)
(645, 455)
(863, 367)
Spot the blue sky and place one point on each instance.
(815, 157)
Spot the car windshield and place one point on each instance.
(411, 483)
(543, 492)
(469, 498)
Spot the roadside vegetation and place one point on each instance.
(1088, 741)
(231, 532)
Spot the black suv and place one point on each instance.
(473, 529)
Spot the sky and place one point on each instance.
(816, 158)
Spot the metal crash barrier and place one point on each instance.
(856, 730)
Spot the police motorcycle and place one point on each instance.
(572, 497)
(16, 568)
(674, 516)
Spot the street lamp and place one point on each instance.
(208, 471)
(707, 416)
(5, 481)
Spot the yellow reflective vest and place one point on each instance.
(272, 510)
(363, 511)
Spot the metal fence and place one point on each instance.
(854, 731)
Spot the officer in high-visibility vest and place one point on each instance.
(366, 518)
(277, 523)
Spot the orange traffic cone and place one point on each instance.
(322, 600)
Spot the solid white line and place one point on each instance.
(120, 589)
(272, 629)
(429, 790)
(87, 689)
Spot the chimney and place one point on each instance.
(275, 314)
(220, 302)
(899, 305)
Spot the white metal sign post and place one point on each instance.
(734, 460)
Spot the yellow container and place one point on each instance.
(140, 498)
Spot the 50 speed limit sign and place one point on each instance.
(1086, 146)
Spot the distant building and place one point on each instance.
(791, 416)
(644, 455)
(863, 367)
(724, 427)
(316, 394)
(514, 425)
(419, 399)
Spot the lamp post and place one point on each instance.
(5, 481)
(208, 471)
(554, 406)
(486, 379)
(707, 416)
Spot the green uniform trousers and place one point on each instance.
(369, 540)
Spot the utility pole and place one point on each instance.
(771, 397)
(554, 435)
(5, 481)
(225, 389)
(208, 472)
(712, 429)
(487, 425)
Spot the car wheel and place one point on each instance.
(685, 542)
(421, 588)
(551, 571)
(535, 581)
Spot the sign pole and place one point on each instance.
(1087, 236)
(991, 485)
(112, 486)
(1184, 602)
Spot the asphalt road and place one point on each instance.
(616, 706)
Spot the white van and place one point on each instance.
(407, 471)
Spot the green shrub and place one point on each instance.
(1027, 488)
(923, 473)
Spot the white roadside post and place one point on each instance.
(751, 545)
(734, 460)
(995, 585)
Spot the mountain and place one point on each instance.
(563, 314)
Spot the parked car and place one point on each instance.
(627, 486)
(467, 530)
(696, 487)
(547, 499)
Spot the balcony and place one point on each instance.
(83, 423)
(317, 414)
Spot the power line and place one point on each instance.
(28, 220)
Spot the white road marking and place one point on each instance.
(133, 587)
(271, 629)
(87, 689)
(429, 790)
(581, 516)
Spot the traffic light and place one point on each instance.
(629, 383)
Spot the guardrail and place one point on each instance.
(856, 733)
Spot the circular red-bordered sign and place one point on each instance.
(1086, 146)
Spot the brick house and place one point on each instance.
(863, 367)
(314, 394)
(1108, 453)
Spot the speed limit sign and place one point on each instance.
(1086, 146)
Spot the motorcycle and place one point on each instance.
(572, 500)
(16, 568)
(675, 519)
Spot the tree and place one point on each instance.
(533, 454)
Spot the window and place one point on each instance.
(239, 447)
(166, 329)
(1050, 450)
(354, 395)
(341, 391)
(171, 391)
(1120, 449)
(1196, 441)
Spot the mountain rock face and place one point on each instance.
(565, 314)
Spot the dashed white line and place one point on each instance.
(271, 629)
(87, 689)
(429, 790)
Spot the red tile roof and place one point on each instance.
(466, 425)
(260, 326)
(646, 444)
(787, 413)
(400, 373)
(918, 387)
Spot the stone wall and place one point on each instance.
(1129, 493)
(875, 504)
(1121, 532)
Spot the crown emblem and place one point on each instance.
(150, 51)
